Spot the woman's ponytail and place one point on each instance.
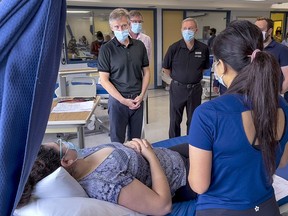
(264, 75)
(259, 83)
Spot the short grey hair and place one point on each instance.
(134, 13)
(191, 19)
(117, 14)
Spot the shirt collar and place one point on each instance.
(138, 36)
(271, 44)
(117, 43)
(183, 44)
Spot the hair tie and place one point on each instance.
(253, 55)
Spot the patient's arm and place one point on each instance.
(139, 197)
(284, 158)
(200, 169)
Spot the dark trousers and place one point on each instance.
(120, 116)
(185, 192)
(286, 96)
(268, 208)
(182, 96)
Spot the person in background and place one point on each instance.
(83, 41)
(135, 32)
(211, 39)
(124, 72)
(278, 35)
(133, 175)
(72, 46)
(285, 41)
(279, 51)
(107, 38)
(95, 45)
(218, 88)
(237, 140)
(185, 62)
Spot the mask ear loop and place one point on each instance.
(60, 142)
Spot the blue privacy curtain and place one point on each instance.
(31, 35)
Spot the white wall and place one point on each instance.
(249, 15)
(215, 20)
(80, 25)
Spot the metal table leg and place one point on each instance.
(62, 86)
(80, 134)
(147, 110)
(210, 87)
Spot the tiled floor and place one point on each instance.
(155, 130)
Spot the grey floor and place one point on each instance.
(155, 130)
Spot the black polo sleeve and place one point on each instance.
(167, 62)
(145, 61)
(207, 59)
(104, 59)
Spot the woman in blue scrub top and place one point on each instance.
(239, 139)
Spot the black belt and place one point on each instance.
(187, 85)
(130, 96)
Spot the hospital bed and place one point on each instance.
(59, 194)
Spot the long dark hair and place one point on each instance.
(257, 80)
(48, 160)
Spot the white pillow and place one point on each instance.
(73, 206)
(58, 184)
(59, 194)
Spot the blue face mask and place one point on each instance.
(69, 146)
(121, 35)
(136, 27)
(188, 35)
(218, 78)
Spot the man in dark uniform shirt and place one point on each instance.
(185, 61)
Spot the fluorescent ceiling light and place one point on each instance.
(280, 6)
(78, 11)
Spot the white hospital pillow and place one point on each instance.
(59, 194)
(73, 206)
(58, 184)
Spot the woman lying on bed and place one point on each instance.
(132, 175)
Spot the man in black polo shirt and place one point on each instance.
(124, 72)
(185, 61)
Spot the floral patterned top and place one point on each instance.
(124, 165)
